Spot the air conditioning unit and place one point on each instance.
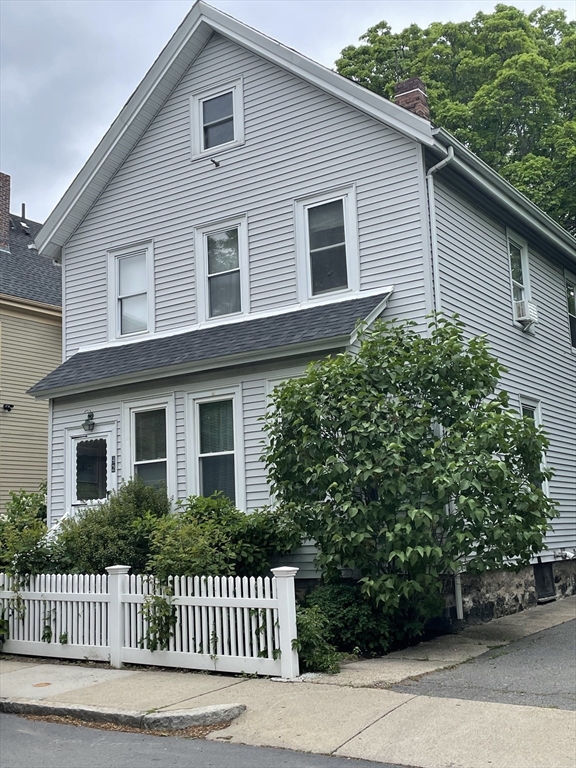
(525, 312)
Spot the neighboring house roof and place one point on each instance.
(294, 332)
(24, 273)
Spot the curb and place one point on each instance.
(173, 720)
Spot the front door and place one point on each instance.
(93, 467)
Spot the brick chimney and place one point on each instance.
(411, 94)
(4, 212)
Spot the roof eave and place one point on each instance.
(477, 171)
(201, 21)
(319, 345)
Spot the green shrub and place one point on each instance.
(353, 622)
(209, 536)
(22, 531)
(315, 652)
(114, 532)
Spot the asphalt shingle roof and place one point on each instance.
(328, 321)
(23, 272)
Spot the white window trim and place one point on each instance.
(102, 430)
(304, 270)
(201, 250)
(196, 124)
(523, 245)
(193, 400)
(129, 408)
(569, 277)
(114, 256)
(531, 402)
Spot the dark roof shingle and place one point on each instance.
(325, 322)
(23, 272)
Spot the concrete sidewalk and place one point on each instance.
(352, 714)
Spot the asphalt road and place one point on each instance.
(538, 671)
(37, 744)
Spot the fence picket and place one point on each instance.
(225, 623)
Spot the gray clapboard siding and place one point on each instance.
(254, 386)
(475, 283)
(299, 141)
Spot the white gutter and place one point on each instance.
(433, 239)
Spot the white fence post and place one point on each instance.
(117, 586)
(287, 620)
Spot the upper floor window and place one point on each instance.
(131, 291)
(327, 242)
(571, 299)
(217, 118)
(524, 310)
(222, 269)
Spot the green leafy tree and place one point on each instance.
(504, 83)
(404, 463)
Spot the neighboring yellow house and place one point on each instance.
(30, 347)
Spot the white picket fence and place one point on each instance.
(225, 624)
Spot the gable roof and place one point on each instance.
(24, 273)
(154, 90)
(175, 59)
(321, 327)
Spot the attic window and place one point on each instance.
(217, 119)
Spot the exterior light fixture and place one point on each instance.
(88, 424)
(7, 407)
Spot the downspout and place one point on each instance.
(438, 308)
(433, 239)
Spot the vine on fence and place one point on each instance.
(159, 614)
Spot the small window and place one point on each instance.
(327, 242)
(150, 457)
(91, 470)
(131, 292)
(217, 118)
(571, 299)
(216, 448)
(523, 311)
(222, 268)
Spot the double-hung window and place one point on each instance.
(222, 267)
(131, 301)
(217, 118)
(520, 278)
(150, 454)
(148, 441)
(327, 243)
(216, 445)
(571, 300)
(531, 409)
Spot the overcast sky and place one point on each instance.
(68, 66)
